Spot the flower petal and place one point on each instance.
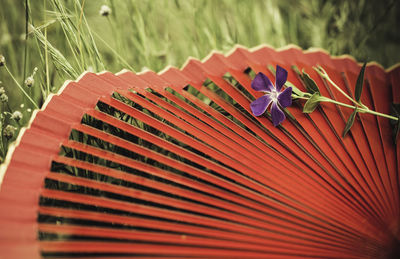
(285, 97)
(281, 77)
(277, 114)
(262, 83)
(260, 105)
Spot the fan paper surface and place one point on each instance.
(174, 165)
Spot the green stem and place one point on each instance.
(323, 73)
(325, 99)
(26, 38)
(378, 114)
(363, 109)
(125, 63)
(21, 88)
(46, 55)
(300, 97)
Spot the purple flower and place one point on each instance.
(273, 95)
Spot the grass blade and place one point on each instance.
(360, 83)
(310, 84)
(349, 123)
(59, 60)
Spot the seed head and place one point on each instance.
(105, 10)
(17, 116)
(2, 60)
(3, 98)
(2, 90)
(29, 81)
(9, 131)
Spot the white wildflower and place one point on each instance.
(105, 10)
(17, 116)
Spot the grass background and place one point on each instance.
(64, 38)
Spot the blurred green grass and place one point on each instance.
(69, 37)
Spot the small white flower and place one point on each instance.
(2, 60)
(3, 98)
(29, 81)
(17, 116)
(105, 10)
(9, 131)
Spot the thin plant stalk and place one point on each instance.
(21, 88)
(46, 55)
(362, 110)
(114, 52)
(26, 38)
(324, 75)
(79, 33)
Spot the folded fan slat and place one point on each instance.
(174, 165)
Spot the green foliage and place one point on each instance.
(65, 38)
(357, 96)
(359, 83)
(349, 122)
(312, 103)
(310, 84)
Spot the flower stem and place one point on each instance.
(378, 114)
(323, 73)
(21, 88)
(325, 99)
(299, 97)
(363, 109)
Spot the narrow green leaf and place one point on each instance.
(360, 83)
(395, 124)
(350, 122)
(310, 84)
(311, 103)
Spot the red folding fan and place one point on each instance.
(174, 165)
